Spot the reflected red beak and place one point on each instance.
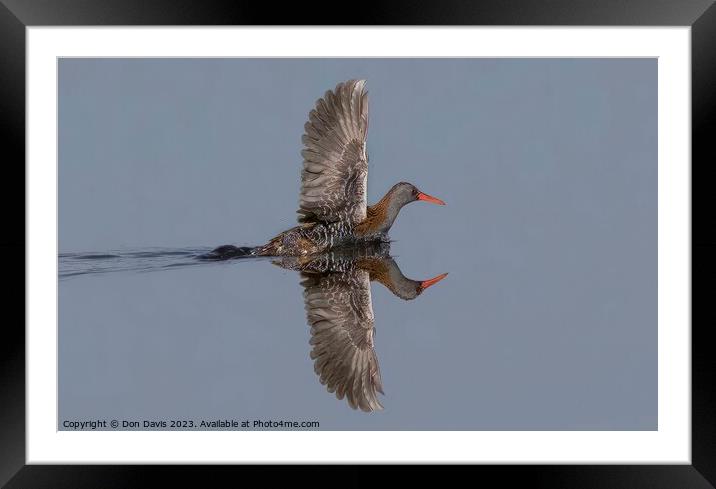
(427, 283)
(430, 198)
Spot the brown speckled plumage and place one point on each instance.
(375, 216)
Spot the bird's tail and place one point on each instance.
(228, 252)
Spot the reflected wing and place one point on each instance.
(335, 166)
(340, 314)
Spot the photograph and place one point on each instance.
(461, 236)
(357, 243)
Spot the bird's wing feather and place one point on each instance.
(340, 313)
(335, 166)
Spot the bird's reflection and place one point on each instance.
(339, 310)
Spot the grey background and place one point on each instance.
(547, 321)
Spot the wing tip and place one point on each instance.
(352, 84)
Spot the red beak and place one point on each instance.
(427, 283)
(430, 198)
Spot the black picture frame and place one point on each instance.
(16, 15)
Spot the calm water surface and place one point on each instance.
(160, 334)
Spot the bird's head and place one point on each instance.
(424, 284)
(405, 192)
(408, 289)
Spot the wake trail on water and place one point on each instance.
(145, 259)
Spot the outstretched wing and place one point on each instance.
(340, 314)
(335, 165)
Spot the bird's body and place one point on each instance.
(309, 238)
(333, 208)
(317, 237)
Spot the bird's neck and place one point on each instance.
(381, 216)
(387, 272)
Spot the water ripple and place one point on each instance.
(139, 260)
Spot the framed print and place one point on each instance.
(490, 263)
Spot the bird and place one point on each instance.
(333, 208)
(339, 310)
